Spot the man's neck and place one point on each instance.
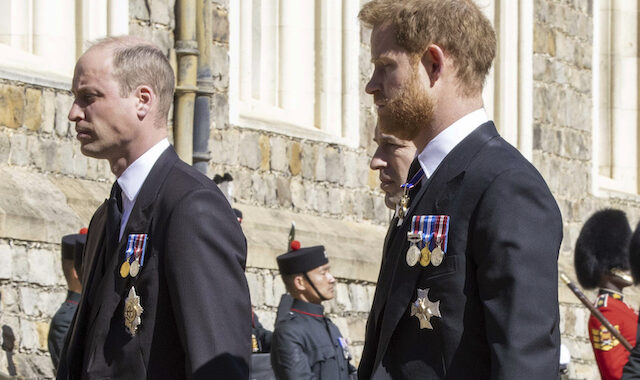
(119, 165)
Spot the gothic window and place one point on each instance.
(615, 95)
(46, 37)
(294, 67)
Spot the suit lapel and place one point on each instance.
(433, 196)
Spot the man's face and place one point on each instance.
(399, 85)
(323, 281)
(392, 158)
(105, 121)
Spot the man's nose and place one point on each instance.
(75, 113)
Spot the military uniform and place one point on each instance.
(610, 355)
(307, 345)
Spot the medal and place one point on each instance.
(413, 255)
(135, 268)
(437, 256)
(405, 201)
(132, 312)
(124, 269)
(425, 256)
(424, 309)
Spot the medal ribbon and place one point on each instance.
(138, 249)
(413, 181)
(441, 231)
(420, 227)
(130, 249)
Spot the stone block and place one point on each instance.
(297, 194)
(220, 110)
(18, 154)
(543, 40)
(359, 298)
(350, 178)
(220, 25)
(242, 187)
(335, 165)
(220, 67)
(224, 147)
(63, 106)
(270, 298)
(6, 262)
(20, 266)
(258, 189)
(9, 300)
(163, 37)
(256, 288)
(64, 160)
(335, 201)
(28, 335)
(265, 152)
(283, 191)
(279, 160)
(42, 329)
(44, 156)
(320, 164)
(295, 158)
(5, 148)
(309, 157)
(42, 267)
(33, 114)
(357, 325)
(322, 198)
(278, 289)
(48, 111)
(162, 11)
(11, 106)
(343, 299)
(139, 9)
(249, 155)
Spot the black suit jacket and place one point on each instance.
(197, 314)
(497, 286)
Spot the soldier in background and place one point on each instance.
(306, 344)
(602, 261)
(71, 249)
(632, 368)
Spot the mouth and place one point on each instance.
(83, 134)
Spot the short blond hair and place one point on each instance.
(457, 26)
(137, 62)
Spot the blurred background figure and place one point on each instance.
(71, 250)
(392, 159)
(602, 261)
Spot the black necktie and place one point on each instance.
(114, 215)
(413, 169)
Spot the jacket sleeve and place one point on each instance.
(204, 260)
(631, 370)
(288, 359)
(515, 244)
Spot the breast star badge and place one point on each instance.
(424, 309)
(132, 312)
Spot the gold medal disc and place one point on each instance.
(124, 269)
(135, 268)
(425, 259)
(437, 256)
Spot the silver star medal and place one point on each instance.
(424, 309)
(132, 312)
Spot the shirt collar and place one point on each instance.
(307, 308)
(438, 148)
(612, 293)
(133, 177)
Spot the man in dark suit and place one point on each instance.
(165, 296)
(468, 288)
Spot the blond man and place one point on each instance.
(164, 291)
(468, 289)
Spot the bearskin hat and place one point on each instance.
(602, 246)
(634, 254)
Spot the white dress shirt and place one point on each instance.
(438, 148)
(133, 177)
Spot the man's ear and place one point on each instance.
(145, 98)
(433, 62)
(299, 283)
